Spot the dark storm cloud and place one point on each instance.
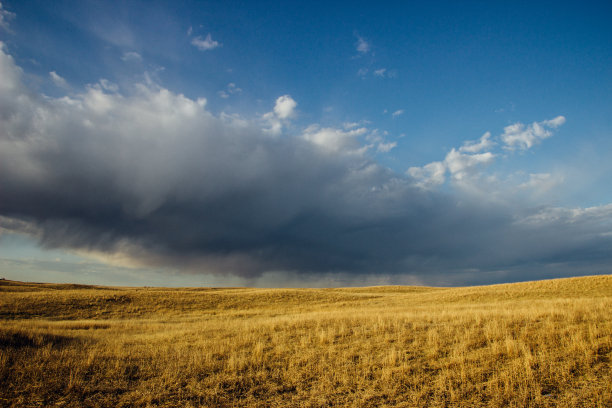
(153, 178)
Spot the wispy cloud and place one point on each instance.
(397, 113)
(380, 72)
(541, 183)
(205, 44)
(231, 89)
(362, 72)
(386, 147)
(107, 85)
(351, 125)
(131, 56)
(476, 146)
(58, 80)
(362, 46)
(5, 17)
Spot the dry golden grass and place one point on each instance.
(536, 344)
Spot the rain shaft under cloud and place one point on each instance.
(147, 177)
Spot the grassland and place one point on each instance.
(534, 344)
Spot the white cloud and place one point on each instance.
(524, 137)
(430, 175)
(335, 140)
(463, 169)
(554, 123)
(386, 147)
(465, 164)
(362, 72)
(362, 45)
(397, 113)
(352, 140)
(462, 165)
(380, 72)
(131, 56)
(285, 107)
(10, 76)
(58, 80)
(205, 44)
(473, 147)
(5, 17)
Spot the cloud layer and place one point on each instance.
(148, 177)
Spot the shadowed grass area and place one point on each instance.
(533, 344)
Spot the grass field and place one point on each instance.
(534, 344)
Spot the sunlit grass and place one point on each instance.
(536, 344)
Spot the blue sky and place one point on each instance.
(180, 143)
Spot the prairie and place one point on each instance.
(532, 344)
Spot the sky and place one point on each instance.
(304, 144)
